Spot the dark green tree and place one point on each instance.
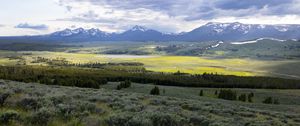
(216, 92)
(201, 93)
(250, 97)
(155, 91)
(243, 98)
(276, 101)
(268, 100)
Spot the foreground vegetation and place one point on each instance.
(34, 104)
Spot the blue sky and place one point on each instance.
(31, 17)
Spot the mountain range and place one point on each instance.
(209, 32)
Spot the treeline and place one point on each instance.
(31, 46)
(52, 76)
(93, 78)
(64, 62)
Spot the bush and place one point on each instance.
(66, 111)
(201, 93)
(164, 91)
(160, 119)
(227, 95)
(243, 98)
(216, 92)
(29, 103)
(3, 97)
(276, 101)
(41, 117)
(119, 120)
(155, 91)
(270, 100)
(119, 87)
(8, 116)
(250, 96)
(124, 84)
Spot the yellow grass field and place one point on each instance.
(162, 63)
(187, 64)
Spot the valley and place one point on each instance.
(112, 83)
(150, 63)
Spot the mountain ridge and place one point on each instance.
(212, 31)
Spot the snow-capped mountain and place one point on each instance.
(138, 28)
(209, 32)
(238, 32)
(80, 32)
(139, 33)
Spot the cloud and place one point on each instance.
(200, 9)
(243, 4)
(31, 26)
(1, 25)
(177, 15)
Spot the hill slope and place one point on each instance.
(35, 104)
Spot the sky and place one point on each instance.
(33, 17)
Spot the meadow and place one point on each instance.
(77, 85)
(286, 97)
(185, 64)
(265, 58)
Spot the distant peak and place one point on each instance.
(138, 28)
(211, 23)
(79, 28)
(94, 29)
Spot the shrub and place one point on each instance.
(243, 98)
(119, 87)
(8, 116)
(66, 111)
(227, 95)
(41, 117)
(268, 100)
(119, 120)
(276, 101)
(3, 97)
(29, 103)
(155, 91)
(124, 84)
(216, 92)
(161, 119)
(201, 93)
(250, 96)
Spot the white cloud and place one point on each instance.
(163, 15)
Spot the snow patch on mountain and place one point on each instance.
(244, 42)
(215, 46)
(139, 28)
(255, 41)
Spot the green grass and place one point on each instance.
(288, 97)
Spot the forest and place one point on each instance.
(94, 78)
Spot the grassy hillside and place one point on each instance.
(34, 104)
(286, 97)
